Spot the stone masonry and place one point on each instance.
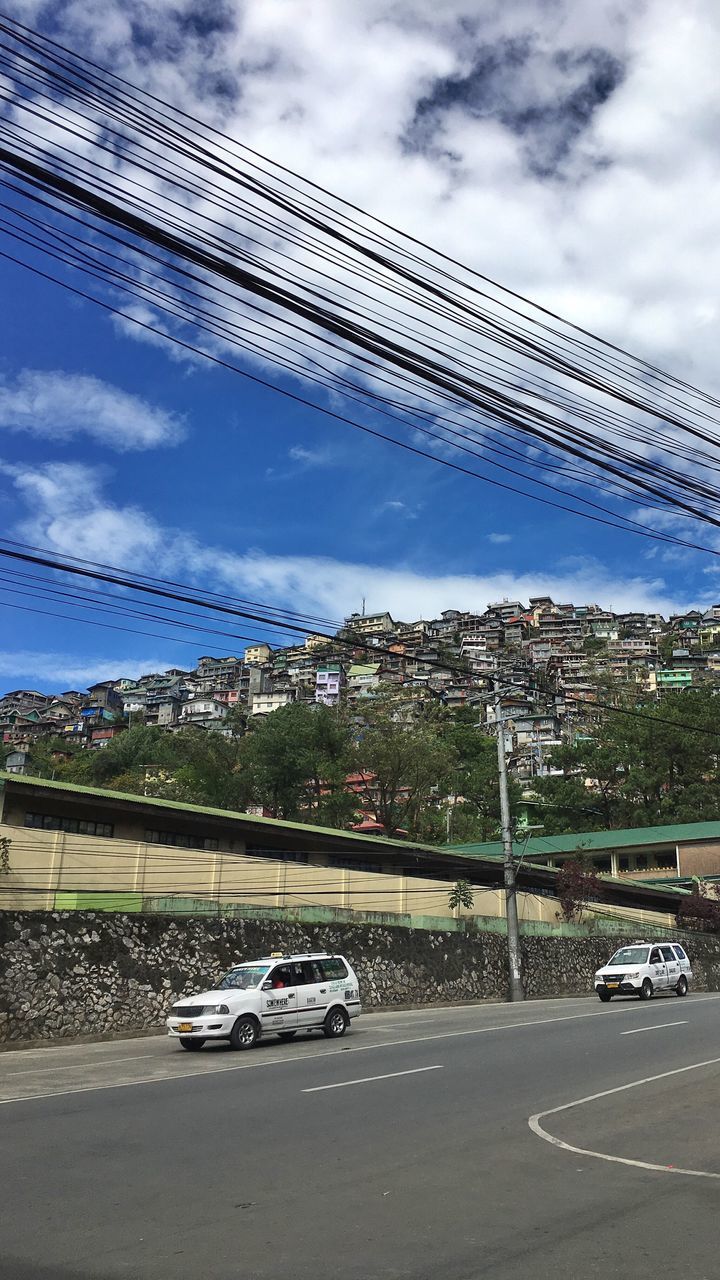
(65, 974)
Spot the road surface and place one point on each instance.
(484, 1141)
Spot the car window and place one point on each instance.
(333, 968)
(282, 976)
(312, 971)
(668, 954)
(630, 955)
(655, 957)
(679, 952)
(243, 978)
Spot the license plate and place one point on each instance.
(612, 986)
(185, 1026)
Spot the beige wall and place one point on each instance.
(45, 862)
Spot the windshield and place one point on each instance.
(243, 977)
(630, 955)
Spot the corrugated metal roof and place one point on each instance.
(630, 838)
(230, 815)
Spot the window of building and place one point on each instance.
(641, 862)
(624, 862)
(351, 864)
(74, 826)
(178, 841)
(665, 861)
(602, 864)
(278, 855)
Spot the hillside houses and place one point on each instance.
(553, 660)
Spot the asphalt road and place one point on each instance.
(483, 1141)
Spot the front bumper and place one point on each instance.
(626, 987)
(208, 1026)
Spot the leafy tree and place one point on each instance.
(659, 767)
(475, 778)
(577, 886)
(408, 764)
(700, 910)
(296, 762)
(461, 895)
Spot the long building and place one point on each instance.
(74, 847)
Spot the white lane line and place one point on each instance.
(84, 1066)
(537, 1128)
(329, 1053)
(391, 1075)
(657, 1027)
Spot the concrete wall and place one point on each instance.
(83, 973)
(52, 870)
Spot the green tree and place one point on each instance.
(659, 766)
(461, 895)
(297, 760)
(475, 779)
(408, 764)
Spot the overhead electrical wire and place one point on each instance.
(531, 687)
(142, 134)
(513, 413)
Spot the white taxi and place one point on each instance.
(644, 968)
(278, 994)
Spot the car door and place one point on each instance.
(658, 969)
(673, 965)
(279, 999)
(683, 958)
(312, 995)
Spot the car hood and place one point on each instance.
(620, 968)
(211, 997)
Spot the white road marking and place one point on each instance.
(391, 1075)
(326, 1053)
(534, 1123)
(82, 1066)
(657, 1027)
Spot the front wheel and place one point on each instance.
(682, 986)
(646, 989)
(605, 996)
(191, 1043)
(335, 1024)
(244, 1034)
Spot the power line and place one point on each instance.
(346, 243)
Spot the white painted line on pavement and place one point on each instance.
(391, 1075)
(83, 1066)
(657, 1027)
(534, 1123)
(327, 1053)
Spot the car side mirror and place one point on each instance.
(266, 986)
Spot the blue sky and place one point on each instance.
(113, 448)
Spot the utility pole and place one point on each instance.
(513, 931)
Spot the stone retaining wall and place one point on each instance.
(65, 974)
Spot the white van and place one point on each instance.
(643, 969)
(278, 995)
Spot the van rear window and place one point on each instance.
(679, 952)
(334, 968)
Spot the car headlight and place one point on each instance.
(598, 977)
(215, 1008)
(636, 974)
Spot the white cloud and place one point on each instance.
(60, 671)
(310, 457)
(498, 539)
(59, 406)
(68, 513)
(397, 507)
(580, 139)
(71, 515)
